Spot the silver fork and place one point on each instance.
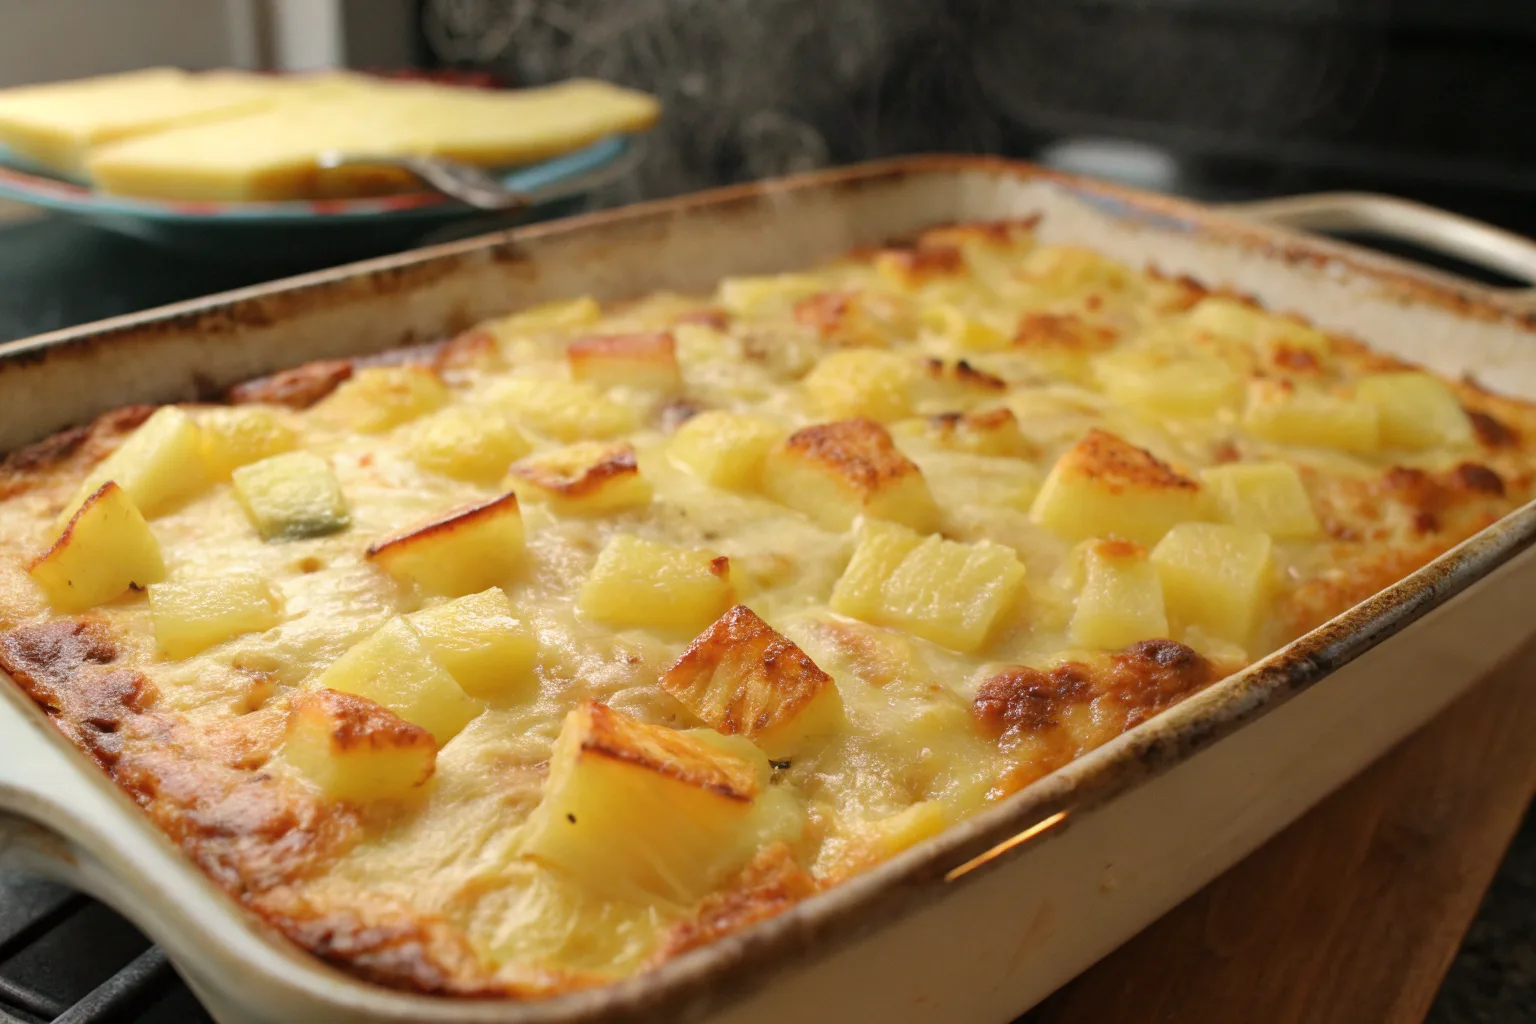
(474, 187)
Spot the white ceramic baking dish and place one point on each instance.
(976, 924)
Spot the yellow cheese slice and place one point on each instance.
(272, 154)
(56, 124)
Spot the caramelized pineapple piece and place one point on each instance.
(911, 269)
(106, 549)
(466, 442)
(1121, 600)
(377, 398)
(645, 361)
(565, 410)
(1157, 384)
(292, 496)
(1106, 487)
(234, 436)
(1215, 577)
(870, 383)
(1283, 413)
(393, 668)
(1416, 411)
(725, 449)
(191, 615)
(355, 750)
(646, 584)
(835, 472)
(483, 645)
(641, 812)
(588, 479)
(1266, 496)
(160, 464)
(741, 677)
(461, 552)
(994, 432)
(1061, 344)
(937, 589)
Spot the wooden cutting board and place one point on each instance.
(1355, 912)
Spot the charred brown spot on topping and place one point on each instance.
(446, 523)
(578, 481)
(398, 948)
(1296, 360)
(1063, 332)
(962, 372)
(1187, 290)
(1492, 432)
(720, 566)
(923, 263)
(772, 883)
(824, 311)
(298, 388)
(1115, 547)
(859, 450)
(1029, 699)
(1104, 457)
(357, 723)
(709, 316)
(1224, 452)
(1000, 232)
(1471, 476)
(1152, 675)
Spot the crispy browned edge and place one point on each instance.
(407, 955)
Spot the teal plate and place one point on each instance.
(344, 228)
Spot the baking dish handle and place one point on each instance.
(1438, 230)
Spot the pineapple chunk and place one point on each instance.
(1215, 577)
(106, 548)
(835, 472)
(945, 384)
(292, 496)
(937, 589)
(565, 410)
(862, 382)
(236, 435)
(377, 398)
(393, 668)
(994, 432)
(159, 464)
(642, 583)
(640, 812)
(557, 315)
(587, 479)
(1061, 344)
(1266, 496)
(1062, 270)
(910, 269)
(725, 449)
(1280, 412)
(741, 677)
(967, 331)
(461, 552)
(1122, 598)
(482, 644)
(355, 750)
(1237, 321)
(1106, 487)
(1416, 410)
(1158, 384)
(466, 442)
(191, 615)
(767, 295)
(646, 361)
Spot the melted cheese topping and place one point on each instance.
(1079, 428)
